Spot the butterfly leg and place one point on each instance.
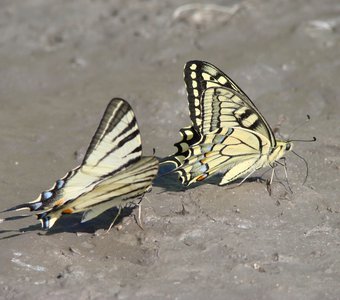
(115, 219)
(269, 182)
(286, 174)
(245, 178)
(139, 218)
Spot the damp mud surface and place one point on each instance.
(60, 64)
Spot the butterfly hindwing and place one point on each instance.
(141, 174)
(223, 150)
(189, 137)
(114, 191)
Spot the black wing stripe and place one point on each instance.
(114, 115)
(109, 120)
(129, 126)
(200, 76)
(120, 168)
(137, 149)
(121, 143)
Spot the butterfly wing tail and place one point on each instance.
(31, 206)
(46, 220)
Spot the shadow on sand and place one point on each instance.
(165, 180)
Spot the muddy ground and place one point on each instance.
(60, 64)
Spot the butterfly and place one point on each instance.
(228, 133)
(112, 173)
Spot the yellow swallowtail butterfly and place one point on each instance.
(228, 133)
(112, 174)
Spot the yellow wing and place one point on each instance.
(234, 151)
(208, 87)
(218, 105)
(115, 148)
(114, 191)
(199, 76)
(225, 108)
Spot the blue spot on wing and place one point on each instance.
(47, 195)
(35, 206)
(204, 168)
(60, 184)
(218, 139)
(199, 169)
(206, 148)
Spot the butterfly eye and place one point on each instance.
(288, 146)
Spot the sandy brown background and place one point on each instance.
(60, 64)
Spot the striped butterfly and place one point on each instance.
(228, 133)
(112, 173)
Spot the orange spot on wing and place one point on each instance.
(68, 211)
(201, 177)
(59, 202)
(208, 154)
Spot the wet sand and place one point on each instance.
(60, 64)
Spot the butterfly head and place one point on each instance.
(281, 148)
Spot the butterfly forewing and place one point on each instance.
(117, 137)
(199, 76)
(225, 108)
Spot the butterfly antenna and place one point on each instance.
(307, 141)
(298, 126)
(306, 163)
